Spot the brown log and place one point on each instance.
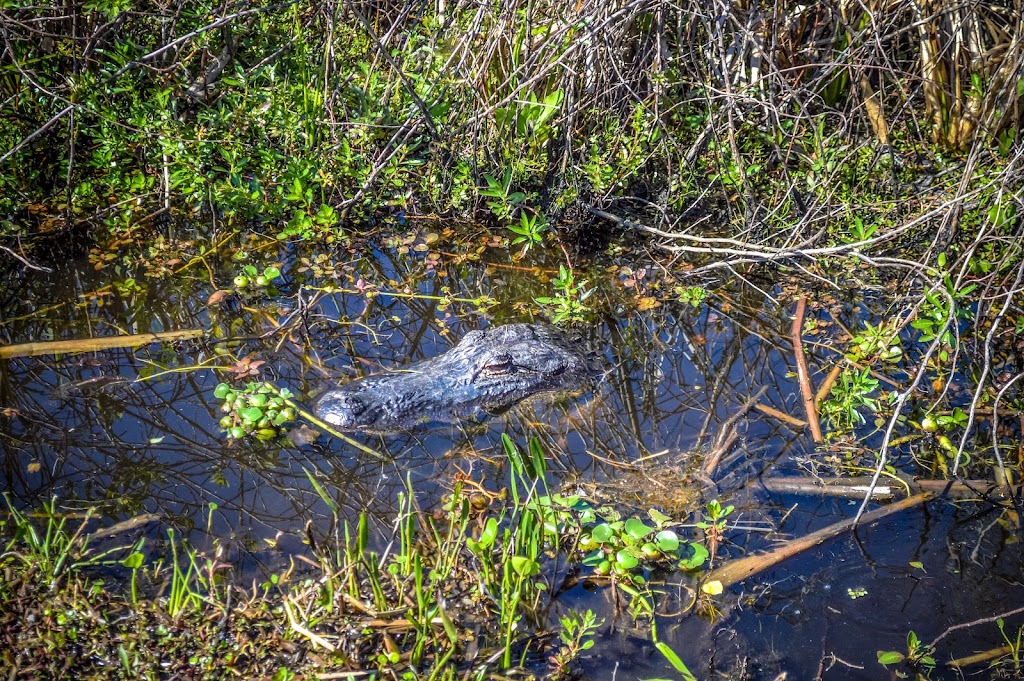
(738, 570)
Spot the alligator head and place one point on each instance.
(490, 371)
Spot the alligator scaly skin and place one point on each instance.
(490, 370)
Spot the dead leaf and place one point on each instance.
(246, 367)
(646, 303)
(216, 297)
(303, 435)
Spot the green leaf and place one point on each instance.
(886, 657)
(699, 557)
(626, 559)
(525, 567)
(674, 660)
(658, 517)
(537, 458)
(251, 414)
(490, 533)
(667, 541)
(637, 529)
(326, 498)
(603, 533)
(133, 561)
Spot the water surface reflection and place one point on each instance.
(135, 431)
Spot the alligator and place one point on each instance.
(490, 371)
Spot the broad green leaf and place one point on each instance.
(626, 559)
(525, 567)
(133, 561)
(602, 534)
(658, 517)
(667, 541)
(637, 529)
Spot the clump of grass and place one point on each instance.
(467, 574)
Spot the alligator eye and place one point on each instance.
(501, 366)
(498, 369)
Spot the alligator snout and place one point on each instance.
(341, 409)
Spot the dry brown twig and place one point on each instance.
(806, 391)
(727, 433)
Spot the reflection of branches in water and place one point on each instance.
(152, 448)
(674, 375)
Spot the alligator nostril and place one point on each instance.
(340, 409)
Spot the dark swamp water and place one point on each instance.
(136, 431)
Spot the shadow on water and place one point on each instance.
(136, 431)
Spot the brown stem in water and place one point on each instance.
(727, 434)
(93, 344)
(801, 370)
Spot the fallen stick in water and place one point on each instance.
(857, 487)
(92, 344)
(738, 570)
(826, 386)
(846, 488)
(780, 415)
